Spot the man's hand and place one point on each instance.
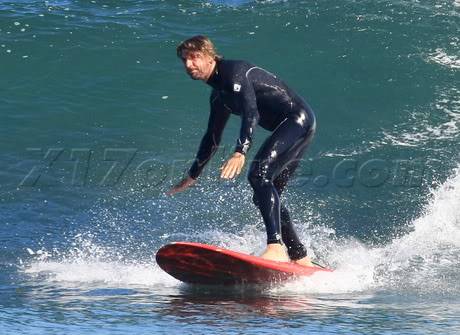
(182, 185)
(233, 166)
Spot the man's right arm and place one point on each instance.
(211, 139)
(209, 143)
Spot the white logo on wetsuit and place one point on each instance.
(236, 87)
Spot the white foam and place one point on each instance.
(442, 58)
(422, 260)
(425, 260)
(87, 262)
(354, 272)
(440, 225)
(106, 273)
(420, 130)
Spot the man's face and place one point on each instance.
(198, 65)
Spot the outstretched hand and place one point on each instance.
(182, 185)
(233, 166)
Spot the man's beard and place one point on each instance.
(192, 76)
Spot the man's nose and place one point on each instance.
(188, 63)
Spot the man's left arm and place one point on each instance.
(246, 100)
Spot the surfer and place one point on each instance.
(260, 98)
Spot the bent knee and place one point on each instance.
(258, 181)
(258, 174)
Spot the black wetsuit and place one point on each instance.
(260, 98)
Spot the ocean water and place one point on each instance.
(98, 120)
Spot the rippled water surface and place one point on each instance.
(98, 120)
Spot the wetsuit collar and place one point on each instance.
(214, 79)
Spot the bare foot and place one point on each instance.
(275, 252)
(306, 261)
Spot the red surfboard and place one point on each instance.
(198, 263)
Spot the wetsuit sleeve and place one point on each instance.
(211, 139)
(249, 114)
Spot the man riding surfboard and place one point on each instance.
(259, 98)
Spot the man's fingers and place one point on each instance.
(229, 171)
(171, 191)
(237, 172)
(222, 170)
(225, 170)
(239, 168)
(179, 187)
